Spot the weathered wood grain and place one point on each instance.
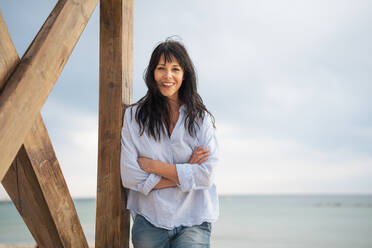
(29, 86)
(22, 186)
(52, 183)
(35, 181)
(8, 54)
(20, 181)
(116, 48)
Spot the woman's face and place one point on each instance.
(169, 77)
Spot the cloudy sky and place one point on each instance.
(289, 83)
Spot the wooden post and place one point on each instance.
(116, 46)
(29, 86)
(34, 181)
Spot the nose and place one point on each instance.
(168, 74)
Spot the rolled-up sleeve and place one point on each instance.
(197, 177)
(132, 176)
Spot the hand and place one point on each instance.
(199, 156)
(146, 164)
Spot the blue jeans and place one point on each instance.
(146, 235)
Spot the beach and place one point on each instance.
(262, 221)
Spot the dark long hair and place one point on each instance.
(154, 109)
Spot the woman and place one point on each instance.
(169, 155)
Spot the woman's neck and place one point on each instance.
(174, 105)
(174, 114)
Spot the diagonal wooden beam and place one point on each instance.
(8, 54)
(29, 86)
(35, 181)
(20, 182)
(116, 56)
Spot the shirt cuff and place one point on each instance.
(185, 176)
(150, 183)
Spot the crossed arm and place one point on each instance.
(168, 172)
(144, 174)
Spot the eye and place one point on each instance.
(176, 69)
(160, 68)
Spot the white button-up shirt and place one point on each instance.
(195, 199)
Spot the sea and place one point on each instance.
(252, 221)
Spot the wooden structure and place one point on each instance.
(116, 46)
(29, 169)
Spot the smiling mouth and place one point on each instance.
(168, 84)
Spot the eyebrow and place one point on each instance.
(174, 65)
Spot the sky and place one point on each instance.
(288, 82)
